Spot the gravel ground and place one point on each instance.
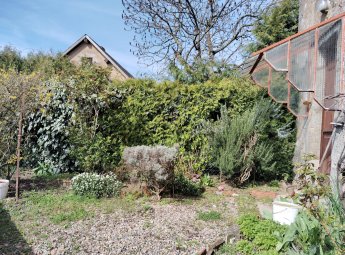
(160, 229)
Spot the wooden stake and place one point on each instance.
(19, 141)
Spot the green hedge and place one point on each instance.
(150, 113)
(105, 116)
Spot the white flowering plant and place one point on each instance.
(96, 185)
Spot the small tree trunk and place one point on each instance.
(19, 141)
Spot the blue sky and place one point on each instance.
(44, 25)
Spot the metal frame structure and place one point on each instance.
(304, 67)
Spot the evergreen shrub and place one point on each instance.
(186, 187)
(243, 147)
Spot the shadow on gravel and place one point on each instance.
(11, 240)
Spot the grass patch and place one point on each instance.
(74, 215)
(147, 207)
(60, 206)
(211, 197)
(227, 249)
(246, 203)
(209, 216)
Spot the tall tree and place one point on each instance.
(278, 23)
(185, 31)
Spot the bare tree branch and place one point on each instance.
(183, 31)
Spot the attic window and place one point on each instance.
(88, 60)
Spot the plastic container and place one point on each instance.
(4, 184)
(285, 212)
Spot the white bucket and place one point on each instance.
(285, 212)
(4, 184)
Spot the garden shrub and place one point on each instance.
(153, 165)
(207, 181)
(242, 148)
(46, 132)
(186, 187)
(94, 99)
(95, 185)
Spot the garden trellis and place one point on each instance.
(304, 67)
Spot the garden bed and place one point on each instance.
(59, 222)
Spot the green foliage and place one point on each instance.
(280, 133)
(278, 23)
(143, 112)
(96, 148)
(201, 71)
(94, 185)
(47, 134)
(206, 181)
(320, 227)
(274, 183)
(10, 58)
(186, 187)
(245, 247)
(48, 64)
(209, 216)
(312, 185)
(263, 235)
(226, 249)
(19, 95)
(310, 235)
(43, 170)
(83, 120)
(242, 146)
(26, 75)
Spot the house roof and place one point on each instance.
(121, 69)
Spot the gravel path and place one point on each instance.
(160, 229)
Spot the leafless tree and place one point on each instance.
(184, 31)
(19, 94)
